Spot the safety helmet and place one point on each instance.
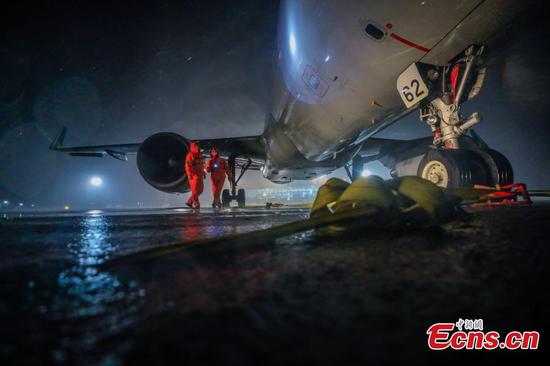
(194, 148)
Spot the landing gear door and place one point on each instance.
(411, 87)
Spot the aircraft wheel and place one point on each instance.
(478, 168)
(226, 198)
(241, 199)
(446, 168)
(499, 168)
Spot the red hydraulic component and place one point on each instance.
(510, 194)
(454, 79)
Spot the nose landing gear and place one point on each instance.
(448, 163)
(227, 197)
(235, 194)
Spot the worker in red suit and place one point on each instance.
(218, 169)
(194, 167)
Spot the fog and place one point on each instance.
(117, 74)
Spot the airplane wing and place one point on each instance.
(374, 148)
(389, 151)
(117, 151)
(250, 147)
(246, 149)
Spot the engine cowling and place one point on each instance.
(160, 161)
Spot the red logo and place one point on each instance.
(469, 335)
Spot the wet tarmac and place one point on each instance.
(317, 297)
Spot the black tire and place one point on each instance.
(241, 199)
(226, 198)
(500, 170)
(478, 168)
(454, 168)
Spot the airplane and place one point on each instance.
(345, 71)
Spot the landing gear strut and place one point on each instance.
(447, 163)
(356, 171)
(235, 194)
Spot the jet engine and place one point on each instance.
(160, 161)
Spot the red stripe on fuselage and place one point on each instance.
(409, 43)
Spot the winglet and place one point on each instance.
(58, 141)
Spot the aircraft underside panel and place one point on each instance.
(488, 24)
(336, 74)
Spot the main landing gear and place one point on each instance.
(455, 160)
(235, 194)
(465, 168)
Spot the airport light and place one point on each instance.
(96, 181)
(365, 173)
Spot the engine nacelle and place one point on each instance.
(161, 162)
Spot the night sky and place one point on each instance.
(117, 73)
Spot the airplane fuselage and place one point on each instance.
(337, 69)
(337, 66)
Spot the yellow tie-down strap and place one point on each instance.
(367, 203)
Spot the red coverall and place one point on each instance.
(218, 169)
(194, 168)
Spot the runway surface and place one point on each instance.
(329, 296)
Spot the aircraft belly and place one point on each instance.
(285, 163)
(340, 80)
